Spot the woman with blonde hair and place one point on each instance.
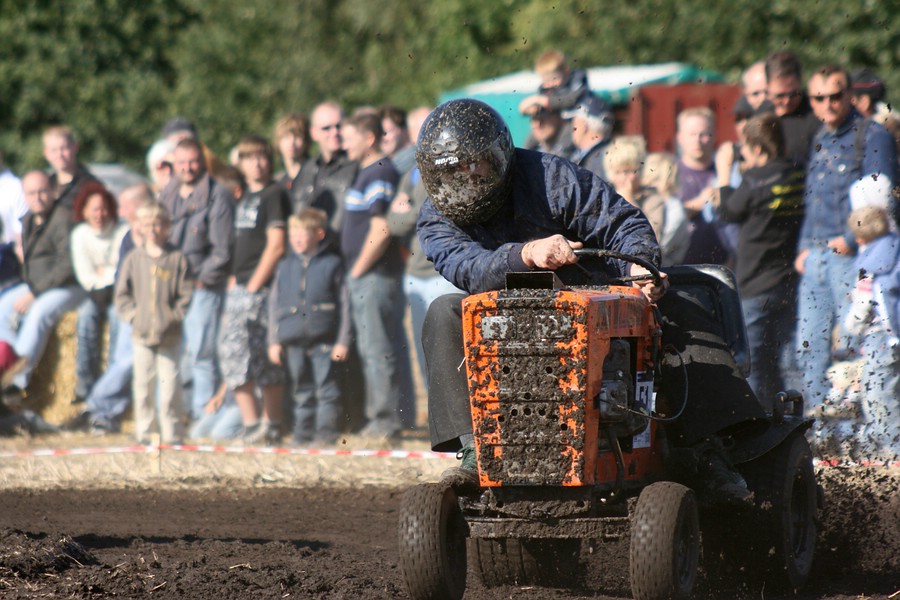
(624, 163)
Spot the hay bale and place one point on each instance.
(52, 386)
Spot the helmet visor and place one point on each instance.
(459, 185)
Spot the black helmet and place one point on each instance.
(465, 155)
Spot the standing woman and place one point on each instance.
(95, 243)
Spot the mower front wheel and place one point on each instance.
(432, 539)
(665, 543)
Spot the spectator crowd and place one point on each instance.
(247, 304)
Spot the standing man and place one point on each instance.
(847, 149)
(784, 85)
(61, 152)
(375, 281)
(323, 182)
(753, 85)
(30, 310)
(550, 133)
(592, 127)
(202, 218)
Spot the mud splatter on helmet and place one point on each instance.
(465, 155)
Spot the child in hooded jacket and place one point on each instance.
(152, 294)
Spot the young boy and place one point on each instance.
(768, 205)
(152, 295)
(258, 245)
(309, 326)
(873, 325)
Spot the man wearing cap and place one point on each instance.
(592, 127)
(868, 90)
(177, 129)
(846, 149)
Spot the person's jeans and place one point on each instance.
(377, 306)
(111, 394)
(769, 319)
(822, 301)
(88, 355)
(317, 396)
(420, 293)
(201, 329)
(224, 424)
(28, 333)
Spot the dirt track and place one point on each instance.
(234, 539)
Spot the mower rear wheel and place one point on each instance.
(514, 561)
(784, 485)
(665, 542)
(432, 540)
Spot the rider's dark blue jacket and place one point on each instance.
(550, 195)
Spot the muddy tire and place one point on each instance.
(432, 540)
(512, 561)
(783, 530)
(665, 543)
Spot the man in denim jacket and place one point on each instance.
(845, 150)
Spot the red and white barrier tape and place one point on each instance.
(139, 449)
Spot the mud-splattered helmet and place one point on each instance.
(465, 155)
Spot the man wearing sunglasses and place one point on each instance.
(846, 149)
(323, 182)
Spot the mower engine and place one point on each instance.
(561, 384)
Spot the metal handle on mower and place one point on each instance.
(598, 253)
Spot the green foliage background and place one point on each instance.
(115, 70)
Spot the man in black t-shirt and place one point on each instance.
(258, 244)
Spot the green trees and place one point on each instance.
(116, 70)
(102, 66)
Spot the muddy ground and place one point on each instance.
(182, 533)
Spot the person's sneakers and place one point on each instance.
(263, 432)
(252, 434)
(721, 483)
(464, 476)
(272, 434)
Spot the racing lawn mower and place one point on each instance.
(578, 397)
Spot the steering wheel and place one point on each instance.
(598, 253)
